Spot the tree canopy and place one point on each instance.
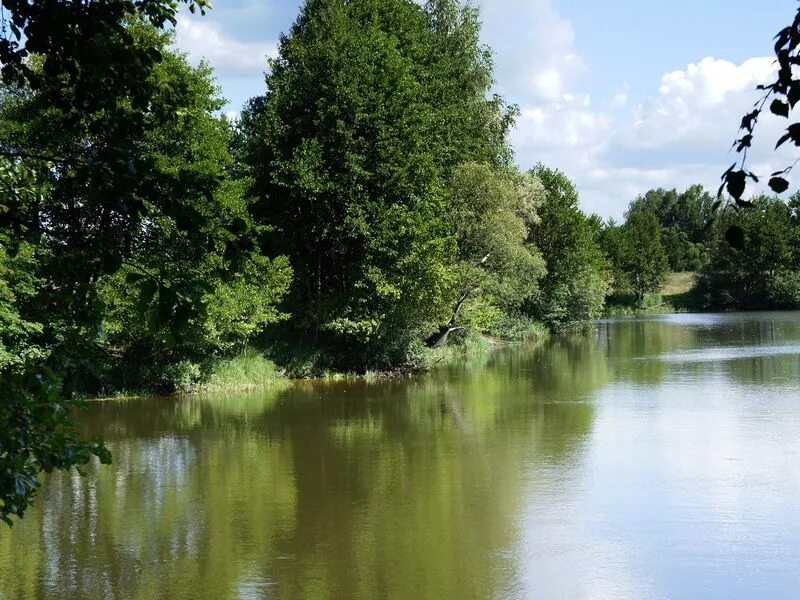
(369, 108)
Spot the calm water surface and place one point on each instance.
(658, 457)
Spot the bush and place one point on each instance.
(184, 376)
(251, 371)
(784, 290)
(517, 328)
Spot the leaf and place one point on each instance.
(745, 142)
(747, 120)
(735, 181)
(794, 93)
(794, 133)
(778, 185)
(780, 108)
(735, 237)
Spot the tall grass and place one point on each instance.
(249, 372)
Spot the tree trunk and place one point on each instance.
(440, 337)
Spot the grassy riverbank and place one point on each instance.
(678, 294)
(254, 371)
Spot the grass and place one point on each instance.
(679, 283)
(680, 292)
(677, 295)
(249, 372)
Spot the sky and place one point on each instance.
(621, 95)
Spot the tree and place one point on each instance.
(84, 100)
(237, 292)
(761, 270)
(637, 255)
(369, 107)
(784, 92)
(497, 268)
(84, 45)
(683, 217)
(574, 289)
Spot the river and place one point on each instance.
(658, 457)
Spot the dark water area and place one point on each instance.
(658, 457)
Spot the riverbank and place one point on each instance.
(254, 371)
(678, 294)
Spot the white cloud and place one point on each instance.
(676, 136)
(701, 103)
(204, 39)
(620, 99)
(534, 48)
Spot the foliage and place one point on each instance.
(369, 106)
(784, 92)
(191, 246)
(84, 45)
(637, 255)
(760, 269)
(498, 269)
(683, 217)
(18, 281)
(518, 327)
(573, 290)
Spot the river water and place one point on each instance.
(658, 457)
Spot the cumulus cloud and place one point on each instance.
(534, 46)
(620, 99)
(676, 136)
(205, 39)
(704, 98)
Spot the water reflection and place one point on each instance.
(649, 459)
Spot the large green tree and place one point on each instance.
(578, 276)
(760, 270)
(101, 144)
(369, 107)
(637, 255)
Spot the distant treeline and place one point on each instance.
(745, 257)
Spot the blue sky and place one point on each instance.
(623, 95)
